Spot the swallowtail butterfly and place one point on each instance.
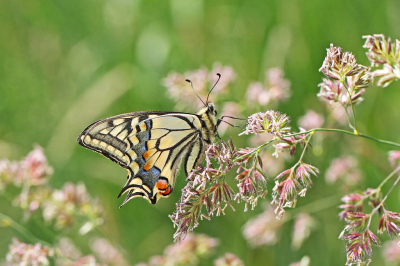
(151, 145)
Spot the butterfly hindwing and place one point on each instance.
(150, 145)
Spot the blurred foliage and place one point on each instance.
(65, 64)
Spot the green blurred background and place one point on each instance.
(65, 64)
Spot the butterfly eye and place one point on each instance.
(212, 109)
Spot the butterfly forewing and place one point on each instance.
(150, 145)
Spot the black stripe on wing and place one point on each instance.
(192, 158)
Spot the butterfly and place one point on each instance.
(151, 145)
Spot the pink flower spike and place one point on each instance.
(303, 225)
(351, 236)
(381, 225)
(311, 120)
(391, 251)
(393, 215)
(357, 221)
(338, 65)
(26, 254)
(374, 238)
(245, 151)
(271, 121)
(380, 50)
(356, 215)
(353, 204)
(282, 146)
(359, 248)
(383, 52)
(394, 158)
(262, 229)
(344, 168)
(306, 170)
(257, 93)
(228, 259)
(259, 177)
(243, 174)
(289, 191)
(285, 174)
(390, 222)
(353, 197)
(278, 87)
(346, 206)
(330, 90)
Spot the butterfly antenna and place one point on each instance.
(219, 77)
(191, 84)
(220, 120)
(233, 117)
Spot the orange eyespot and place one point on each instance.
(162, 184)
(167, 192)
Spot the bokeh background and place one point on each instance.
(66, 64)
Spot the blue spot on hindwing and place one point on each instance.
(156, 171)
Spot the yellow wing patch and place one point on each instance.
(170, 122)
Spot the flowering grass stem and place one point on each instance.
(256, 150)
(349, 133)
(22, 230)
(50, 234)
(352, 109)
(354, 118)
(348, 116)
(313, 207)
(355, 133)
(305, 148)
(388, 177)
(387, 194)
(319, 205)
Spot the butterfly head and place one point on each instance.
(211, 109)
(208, 112)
